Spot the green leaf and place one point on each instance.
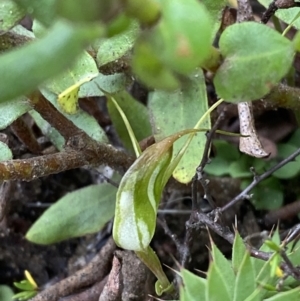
(109, 83)
(10, 15)
(225, 268)
(245, 279)
(24, 295)
(67, 42)
(117, 46)
(238, 252)
(268, 195)
(263, 276)
(5, 152)
(24, 285)
(263, 268)
(81, 119)
(215, 8)
(290, 169)
(150, 259)
(194, 286)
(85, 11)
(146, 12)
(226, 150)
(78, 213)
(119, 24)
(6, 293)
(217, 167)
(188, 105)
(296, 41)
(286, 15)
(132, 137)
(294, 255)
(240, 168)
(216, 288)
(295, 139)
(136, 113)
(149, 69)
(13, 110)
(83, 71)
(290, 295)
(258, 50)
(182, 39)
(54, 136)
(139, 195)
(225, 154)
(43, 10)
(68, 99)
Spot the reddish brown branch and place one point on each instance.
(81, 150)
(29, 169)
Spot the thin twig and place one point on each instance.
(162, 222)
(185, 250)
(275, 5)
(200, 169)
(257, 179)
(271, 10)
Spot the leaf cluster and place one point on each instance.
(243, 277)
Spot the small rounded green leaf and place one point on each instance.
(5, 152)
(290, 169)
(43, 10)
(86, 11)
(115, 47)
(256, 58)
(146, 12)
(150, 70)
(182, 38)
(6, 293)
(78, 213)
